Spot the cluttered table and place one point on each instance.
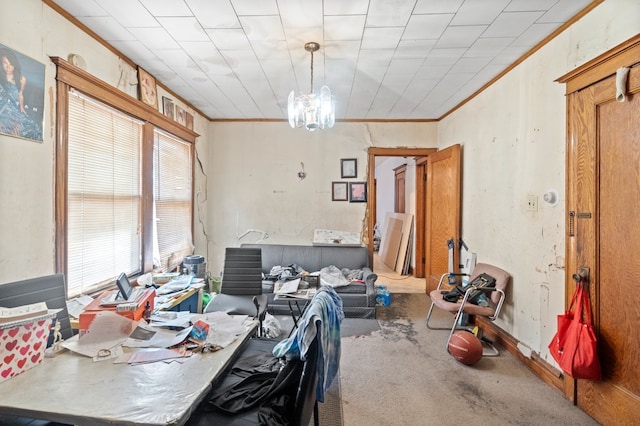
(76, 386)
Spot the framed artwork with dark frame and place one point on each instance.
(339, 191)
(168, 108)
(348, 168)
(148, 90)
(357, 192)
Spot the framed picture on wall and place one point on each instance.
(348, 168)
(21, 95)
(339, 191)
(357, 192)
(167, 108)
(148, 91)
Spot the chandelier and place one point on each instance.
(313, 111)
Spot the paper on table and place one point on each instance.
(287, 286)
(155, 337)
(76, 306)
(107, 330)
(224, 328)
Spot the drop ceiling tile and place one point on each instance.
(228, 39)
(488, 47)
(166, 7)
(130, 13)
(82, 8)
(262, 27)
(437, 6)
(343, 49)
(342, 7)
(460, 36)
(381, 38)
(511, 24)
(444, 56)
(184, 28)
(385, 13)
(414, 48)
(155, 38)
(255, 7)
(271, 49)
(300, 14)
(404, 66)
(479, 12)
(469, 65)
(529, 5)
(133, 49)
(214, 13)
(534, 34)
(426, 26)
(108, 28)
(564, 10)
(344, 27)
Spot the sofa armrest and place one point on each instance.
(368, 276)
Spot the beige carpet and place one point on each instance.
(403, 375)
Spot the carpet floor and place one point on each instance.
(402, 374)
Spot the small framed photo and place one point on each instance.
(339, 191)
(180, 115)
(168, 109)
(147, 85)
(348, 168)
(357, 192)
(188, 120)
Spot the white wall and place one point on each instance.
(513, 137)
(253, 183)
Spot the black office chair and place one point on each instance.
(241, 286)
(299, 384)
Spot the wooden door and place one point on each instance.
(603, 188)
(400, 180)
(442, 212)
(421, 196)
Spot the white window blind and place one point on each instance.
(103, 195)
(172, 190)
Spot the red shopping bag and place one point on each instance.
(579, 357)
(556, 347)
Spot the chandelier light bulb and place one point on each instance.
(311, 110)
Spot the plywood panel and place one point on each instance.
(392, 237)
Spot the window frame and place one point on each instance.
(69, 77)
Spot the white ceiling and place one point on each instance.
(382, 59)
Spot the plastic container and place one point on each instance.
(195, 265)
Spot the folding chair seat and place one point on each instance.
(495, 298)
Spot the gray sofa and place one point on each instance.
(358, 299)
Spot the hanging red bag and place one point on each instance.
(556, 347)
(579, 357)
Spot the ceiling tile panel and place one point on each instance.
(381, 38)
(389, 13)
(262, 27)
(511, 24)
(344, 27)
(214, 13)
(184, 28)
(396, 59)
(167, 7)
(426, 26)
(479, 12)
(130, 13)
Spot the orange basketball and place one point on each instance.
(465, 347)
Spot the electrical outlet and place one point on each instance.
(532, 203)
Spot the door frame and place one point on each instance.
(372, 153)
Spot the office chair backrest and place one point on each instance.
(306, 395)
(242, 274)
(501, 276)
(50, 289)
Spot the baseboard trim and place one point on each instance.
(545, 371)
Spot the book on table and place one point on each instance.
(23, 312)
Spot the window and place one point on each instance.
(124, 186)
(172, 200)
(103, 195)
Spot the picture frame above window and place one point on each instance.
(348, 168)
(339, 191)
(168, 109)
(357, 192)
(148, 90)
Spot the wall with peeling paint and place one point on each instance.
(253, 190)
(513, 137)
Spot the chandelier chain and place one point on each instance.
(312, 72)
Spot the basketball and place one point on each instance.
(465, 347)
